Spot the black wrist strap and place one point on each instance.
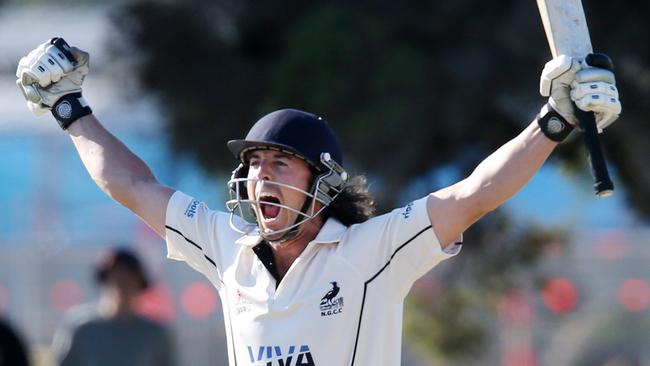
(70, 108)
(552, 124)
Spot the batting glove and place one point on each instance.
(50, 78)
(589, 83)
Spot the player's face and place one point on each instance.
(274, 166)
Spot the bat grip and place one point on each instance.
(603, 185)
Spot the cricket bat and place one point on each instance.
(567, 33)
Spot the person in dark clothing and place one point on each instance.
(110, 332)
(12, 349)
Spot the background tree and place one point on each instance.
(413, 89)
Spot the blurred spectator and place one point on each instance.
(12, 350)
(110, 332)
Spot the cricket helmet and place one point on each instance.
(291, 131)
(299, 134)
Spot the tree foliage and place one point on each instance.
(409, 88)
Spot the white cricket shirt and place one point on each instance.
(339, 304)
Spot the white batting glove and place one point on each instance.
(566, 80)
(47, 76)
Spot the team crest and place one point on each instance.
(330, 304)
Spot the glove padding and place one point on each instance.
(567, 80)
(45, 75)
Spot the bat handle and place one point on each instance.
(603, 185)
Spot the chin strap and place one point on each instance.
(286, 237)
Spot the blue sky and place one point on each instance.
(553, 198)
(44, 186)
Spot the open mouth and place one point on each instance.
(269, 206)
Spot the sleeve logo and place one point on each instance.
(407, 210)
(191, 209)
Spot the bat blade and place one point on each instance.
(566, 27)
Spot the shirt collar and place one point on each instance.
(330, 233)
(249, 240)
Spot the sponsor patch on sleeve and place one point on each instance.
(191, 209)
(407, 210)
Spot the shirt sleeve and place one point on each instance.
(399, 247)
(191, 235)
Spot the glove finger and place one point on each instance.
(54, 69)
(28, 61)
(36, 52)
(81, 57)
(60, 58)
(599, 103)
(37, 109)
(551, 71)
(604, 120)
(23, 65)
(30, 92)
(591, 74)
(38, 73)
(578, 91)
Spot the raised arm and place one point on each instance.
(497, 178)
(455, 208)
(50, 78)
(120, 173)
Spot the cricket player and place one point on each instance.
(305, 275)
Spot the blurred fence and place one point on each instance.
(593, 307)
(587, 303)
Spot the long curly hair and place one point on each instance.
(354, 204)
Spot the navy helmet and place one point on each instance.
(291, 131)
